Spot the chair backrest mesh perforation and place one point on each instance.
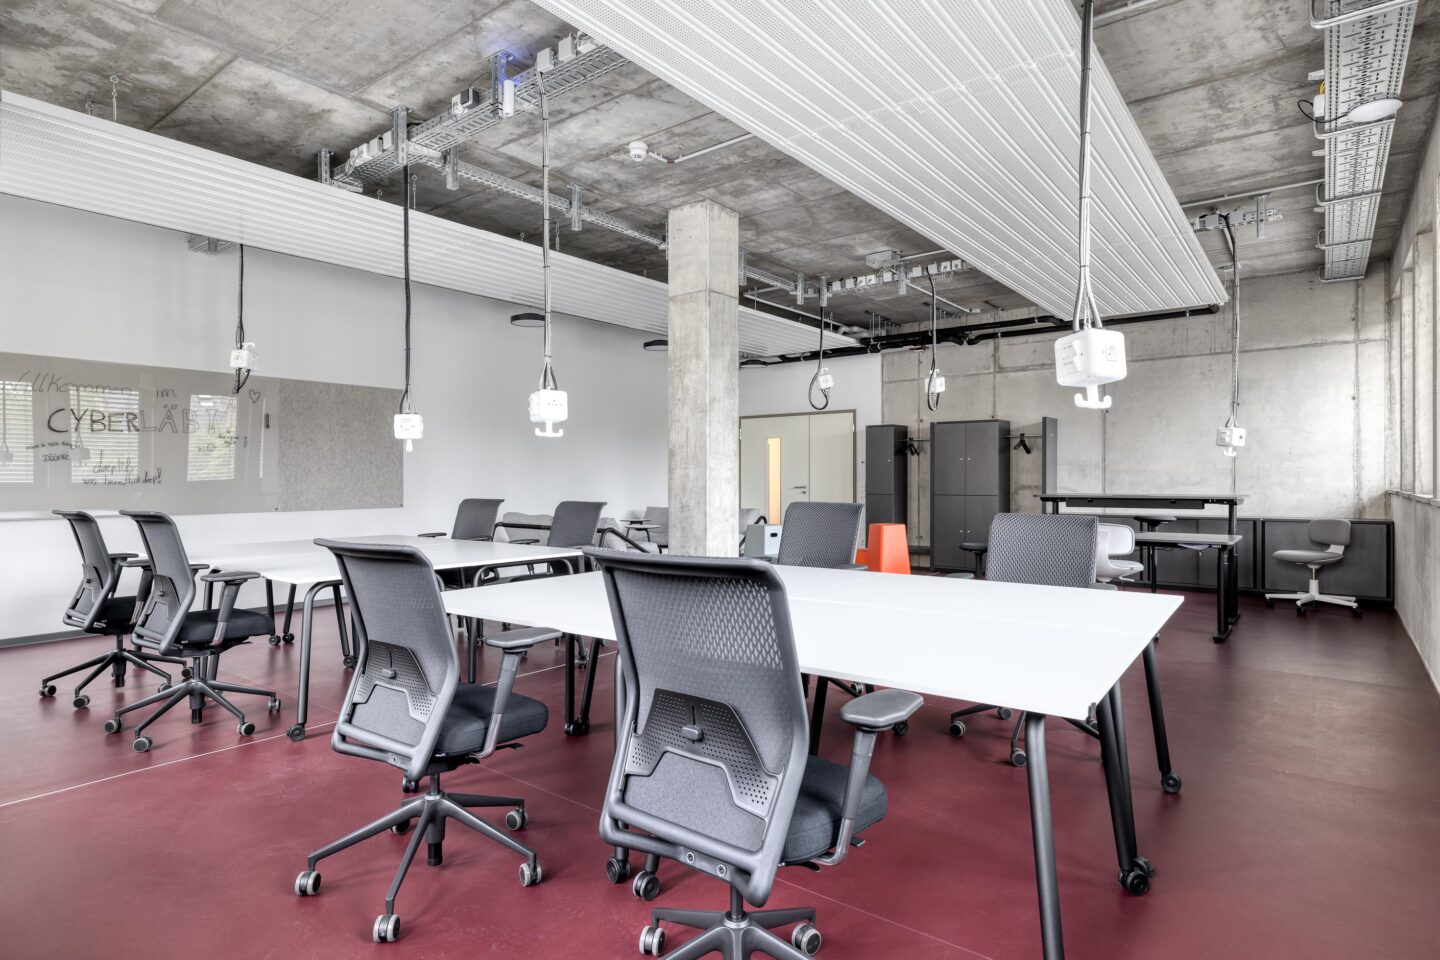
(820, 534)
(1053, 549)
(173, 581)
(95, 567)
(575, 523)
(475, 519)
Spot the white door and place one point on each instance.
(803, 456)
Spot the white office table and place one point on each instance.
(1050, 651)
(298, 563)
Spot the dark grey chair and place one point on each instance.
(407, 708)
(474, 520)
(1051, 549)
(710, 763)
(821, 535)
(1332, 537)
(660, 516)
(167, 624)
(96, 610)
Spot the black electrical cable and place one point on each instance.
(1307, 114)
(405, 220)
(819, 365)
(242, 377)
(932, 398)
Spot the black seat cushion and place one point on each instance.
(199, 627)
(114, 614)
(816, 823)
(468, 720)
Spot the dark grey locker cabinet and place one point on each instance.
(886, 481)
(969, 484)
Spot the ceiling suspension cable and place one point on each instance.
(934, 382)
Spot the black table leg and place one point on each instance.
(307, 620)
(570, 719)
(1232, 605)
(1168, 781)
(1222, 594)
(270, 609)
(350, 658)
(1134, 870)
(817, 714)
(285, 633)
(582, 722)
(1047, 884)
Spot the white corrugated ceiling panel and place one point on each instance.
(956, 117)
(64, 157)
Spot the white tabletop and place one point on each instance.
(1208, 539)
(302, 561)
(1051, 650)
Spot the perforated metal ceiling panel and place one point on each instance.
(957, 117)
(61, 156)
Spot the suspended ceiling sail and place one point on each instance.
(956, 117)
(64, 157)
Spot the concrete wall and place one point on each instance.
(1417, 574)
(1312, 389)
(80, 285)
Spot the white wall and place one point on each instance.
(782, 388)
(80, 285)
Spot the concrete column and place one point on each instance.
(704, 252)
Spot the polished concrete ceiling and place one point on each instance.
(1213, 85)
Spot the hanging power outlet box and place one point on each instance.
(549, 407)
(409, 427)
(825, 380)
(1089, 358)
(244, 357)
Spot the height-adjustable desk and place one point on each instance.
(1053, 651)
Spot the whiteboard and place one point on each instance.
(85, 434)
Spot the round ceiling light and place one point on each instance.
(657, 346)
(528, 320)
(1374, 110)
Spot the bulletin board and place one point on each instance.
(85, 434)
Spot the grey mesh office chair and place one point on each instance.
(1052, 549)
(821, 535)
(711, 759)
(167, 624)
(96, 610)
(660, 516)
(1333, 536)
(610, 537)
(407, 708)
(749, 516)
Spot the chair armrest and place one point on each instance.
(869, 714)
(521, 639)
(439, 533)
(123, 556)
(229, 576)
(529, 540)
(881, 710)
(853, 566)
(142, 563)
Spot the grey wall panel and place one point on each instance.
(337, 447)
(1364, 572)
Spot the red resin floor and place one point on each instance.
(1309, 823)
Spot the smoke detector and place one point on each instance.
(639, 150)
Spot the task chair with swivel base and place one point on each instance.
(1333, 536)
(407, 708)
(711, 763)
(167, 624)
(96, 610)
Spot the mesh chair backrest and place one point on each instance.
(575, 523)
(1329, 532)
(820, 534)
(660, 516)
(475, 519)
(172, 587)
(408, 666)
(541, 520)
(97, 579)
(717, 731)
(1054, 549)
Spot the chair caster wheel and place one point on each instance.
(1170, 783)
(80, 702)
(142, 744)
(1270, 603)
(646, 886)
(1004, 713)
(245, 728)
(1135, 882)
(652, 941)
(386, 929)
(806, 939)
(577, 728)
(274, 640)
(350, 662)
(296, 732)
(288, 638)
(957, 728)
(1018, 758)
(273, 705)
(516, 819)
(113, 725)
(48, 690)
(617, 870)
(901, 728)
(163, 687)
(1144, 866)
(1355, 612)
(186, 673)
(409, 786)
(1299, 610)
(307, 884)
(530, 874)
(401, 828)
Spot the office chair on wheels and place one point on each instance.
(96, 610)
(166, 624)
(711, 759)
(1334, 535)
(407, 708)
(1115, 541)
(1054, 549)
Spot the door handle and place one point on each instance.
(797, 488)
